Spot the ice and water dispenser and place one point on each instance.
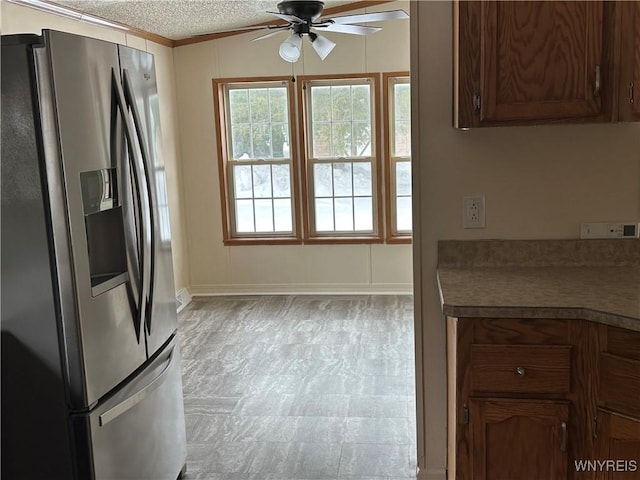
(105, 230)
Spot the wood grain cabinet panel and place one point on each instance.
(629, 93)
(520, 368)
(620, 384)
(519, 439)
(535, 62)
(618, 441)
(540, 60)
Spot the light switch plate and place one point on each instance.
(609, 230)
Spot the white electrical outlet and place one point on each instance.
(473, 211)
(609, 230)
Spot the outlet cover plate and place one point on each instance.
(473, 208)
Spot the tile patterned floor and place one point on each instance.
(299, 387)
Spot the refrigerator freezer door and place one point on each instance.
(139, 79)
(109, 349)
(139, 433)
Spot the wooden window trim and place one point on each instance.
(390, 235)
(220, 113)
(356, 238)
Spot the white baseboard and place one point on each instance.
(183, 298)
(304, 289)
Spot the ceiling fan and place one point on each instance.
(304, 18)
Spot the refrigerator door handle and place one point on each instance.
(128, 130)
(140, 395)
(131, 101)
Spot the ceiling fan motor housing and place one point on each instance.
(305, 9)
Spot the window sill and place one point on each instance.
(232, 242)
(400, 240)
(342, 240)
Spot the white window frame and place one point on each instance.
(394, 235)
(226, 163)
(312, 235)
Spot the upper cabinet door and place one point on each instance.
(540, 60)
(629, 93)
(522, 62)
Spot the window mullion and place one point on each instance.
(353, 198)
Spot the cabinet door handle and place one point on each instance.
(563, 443)
(520, 371)
(596, 88)
(630, 96)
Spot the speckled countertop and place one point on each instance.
(605, 289)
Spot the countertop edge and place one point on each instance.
(559, 313)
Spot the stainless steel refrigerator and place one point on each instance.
(91, 383)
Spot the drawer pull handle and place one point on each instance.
(520, 371)
(563, 444)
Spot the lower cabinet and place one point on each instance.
(519, 439)
(534, 399)
(618, 447)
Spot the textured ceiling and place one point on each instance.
(178, 19)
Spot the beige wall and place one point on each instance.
(18, 19)
(308, 268)
(539, 182)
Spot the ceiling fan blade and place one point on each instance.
(288, 18)
(370, 17)
(352, 29)
(279, 30)
(239, 29)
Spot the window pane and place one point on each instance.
(362, 178)
(342, 139)
(361, 103)
(264, 216)
(281, 181)
(239, 106)
(402, 136)
(262, 181)
(261, 140)
(324, 214)
(279, 141)
(322, 181)
(363, 213)
(341, 103)
(244, 216)
(322, 140)
(242, 181)
(321, 104)
(282, 215)
(278, 104)
(403, 178)
(343, 129)
(362, 139)
(241, 141)
(403, 214)
(344, 214)
(259, 100)
(342, 180)
(402, 96)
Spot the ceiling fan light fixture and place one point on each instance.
(322, 45)
(290, 48)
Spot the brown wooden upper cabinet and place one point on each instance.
(629, 93)
(533, 62)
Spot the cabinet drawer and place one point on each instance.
(620, 383)
(520, 369)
